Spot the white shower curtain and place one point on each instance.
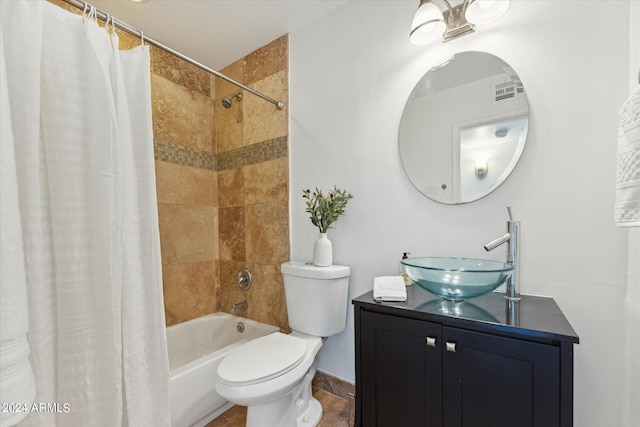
(80, 120)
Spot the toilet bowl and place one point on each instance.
(272, 375)
(254, 377)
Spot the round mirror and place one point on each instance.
(463, 128)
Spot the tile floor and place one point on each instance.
(336, 413)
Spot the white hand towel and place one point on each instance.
(389, 288)
(627, 205)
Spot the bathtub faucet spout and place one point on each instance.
(239, 307)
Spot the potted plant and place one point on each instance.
(324, 210)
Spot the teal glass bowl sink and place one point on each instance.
(456, 279)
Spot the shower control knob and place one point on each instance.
(243, 279)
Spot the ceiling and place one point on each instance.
(217, 32)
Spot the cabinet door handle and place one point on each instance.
(431, 341)
(451, 346)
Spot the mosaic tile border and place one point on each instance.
(264, 151)
(181, 155)
(256, 153)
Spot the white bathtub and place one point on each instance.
(196, 348)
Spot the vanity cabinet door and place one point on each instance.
(400, 371)
(499, 382)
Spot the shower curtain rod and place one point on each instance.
(129, 29)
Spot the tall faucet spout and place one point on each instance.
(494, 244)
(512, 239)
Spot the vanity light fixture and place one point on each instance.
(430, 22)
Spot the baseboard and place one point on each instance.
(334, 385)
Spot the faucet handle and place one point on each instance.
(509, 212)
(243, 279)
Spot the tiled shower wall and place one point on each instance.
(222, 180)
(184, 144)
(253, 183)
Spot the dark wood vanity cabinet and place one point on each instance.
(415, 368)
(401, 377)
(500, 382)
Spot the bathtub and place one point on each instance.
(196, 348)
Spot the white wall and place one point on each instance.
(350, 75)
(632, 300)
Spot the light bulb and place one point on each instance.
(483, 11)
(428, 24)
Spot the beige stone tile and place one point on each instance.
(189, 291)
(335, 410)
(234, 71)
(216, 233)
(229, 292)
(267, 60)
(228, 122)
(231, 187)
(127, 41)
(66, 6)
(186, 233)
(335, 413)
(180, 115)
(267, 233)
(266, 298)
(233, 417)
(185, 185)
(266, 181)
(263, 120)
(212, 98)
(214, 126)
(180, 71)
(232, 233)
(212, 86)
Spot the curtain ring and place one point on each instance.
(141, 38)
(106, 25)
(84, 11)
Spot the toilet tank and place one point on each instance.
(316, 297)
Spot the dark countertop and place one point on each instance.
(534, 318)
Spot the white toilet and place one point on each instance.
(272, 375)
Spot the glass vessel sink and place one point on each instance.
(456, 279)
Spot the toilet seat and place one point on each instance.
(262, 359)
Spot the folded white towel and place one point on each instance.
(627, 206)
(389, 288)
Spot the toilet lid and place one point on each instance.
(262, 359)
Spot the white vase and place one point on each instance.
(322, 251)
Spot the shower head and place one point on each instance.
(226, 102)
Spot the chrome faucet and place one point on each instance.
(512, 239)
(239, 306)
